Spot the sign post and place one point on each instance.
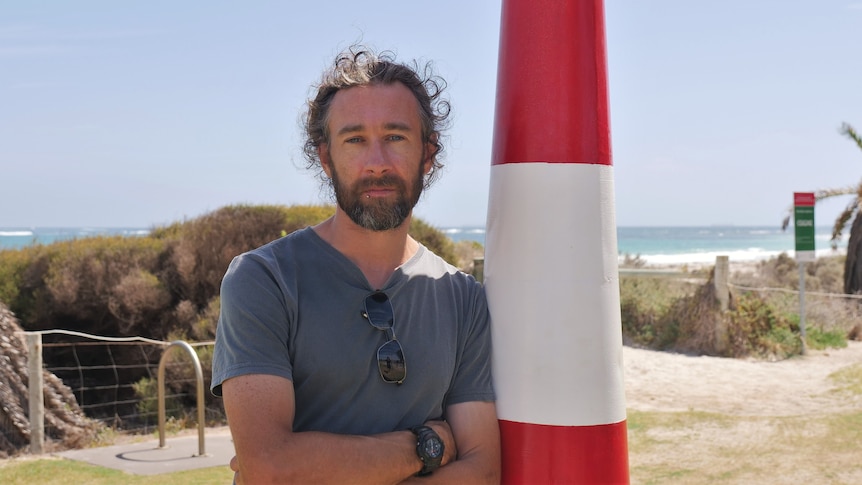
(803, 222)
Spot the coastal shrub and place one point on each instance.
(13, 264)
(819, 339)
(204, 326)
(757, 329)
(300, 216)
(466, 254)
(433, 239)
(691, 321)
(824, 277)
(181, 381)
(137, 297)
(147, 406)
(98, 285)
(162, 286)
(644, 303)
(202, 248)
(630, 261)
(826, 274)
(661, 313)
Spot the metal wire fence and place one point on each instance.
(114, 379)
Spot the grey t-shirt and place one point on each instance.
(293, 308)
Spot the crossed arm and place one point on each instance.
(260, 411)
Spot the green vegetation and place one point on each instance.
(162, 286)
(53, 471)
(155, 285)
(682, 313)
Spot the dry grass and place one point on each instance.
(709, 420)
(703, 448)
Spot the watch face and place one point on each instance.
(433, 447)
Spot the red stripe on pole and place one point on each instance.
(545, 454)
(535, 453)
(552, 92)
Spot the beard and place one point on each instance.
(377, 214)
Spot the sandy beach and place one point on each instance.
(663, 381)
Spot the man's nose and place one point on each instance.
(377, 159)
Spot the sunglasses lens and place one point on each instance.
(390, 360)
(379, 310)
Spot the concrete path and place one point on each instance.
(146, 458)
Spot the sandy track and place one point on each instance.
(662, 381)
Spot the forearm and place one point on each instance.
(478, 470)
(315, 457)
(477, 433)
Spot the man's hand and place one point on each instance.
(234, 466)
(474, 426)
(260, 410)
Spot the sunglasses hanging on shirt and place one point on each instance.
(390, 355)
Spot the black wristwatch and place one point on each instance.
(429, 447)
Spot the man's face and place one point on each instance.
(376, 158)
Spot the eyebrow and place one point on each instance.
(392, 125)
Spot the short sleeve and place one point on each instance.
(253, 329)
(472, 381)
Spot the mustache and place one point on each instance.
(382, 181)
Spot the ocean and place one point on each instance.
(655, 245)
(682, 245)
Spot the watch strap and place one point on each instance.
(429, 463)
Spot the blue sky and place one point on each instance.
(144, 113)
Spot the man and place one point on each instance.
(348, 352)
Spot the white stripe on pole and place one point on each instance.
(560, 360)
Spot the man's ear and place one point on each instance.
(430, 154)
(325, 161)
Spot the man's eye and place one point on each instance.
(396, 137)
(355, 139)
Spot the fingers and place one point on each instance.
(234, 466)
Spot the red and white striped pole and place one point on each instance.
(551, 252)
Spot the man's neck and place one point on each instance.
(376, 253)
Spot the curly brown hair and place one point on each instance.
(360, 66)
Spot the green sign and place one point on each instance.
(803, 221)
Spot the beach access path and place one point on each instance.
(665, 381)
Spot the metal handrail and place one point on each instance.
(200, 394)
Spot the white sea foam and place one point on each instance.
(16, 233)
(707, 257)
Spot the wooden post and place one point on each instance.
(479, 269)
(722, 293)
(37, 398)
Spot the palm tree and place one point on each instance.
(853, 264)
